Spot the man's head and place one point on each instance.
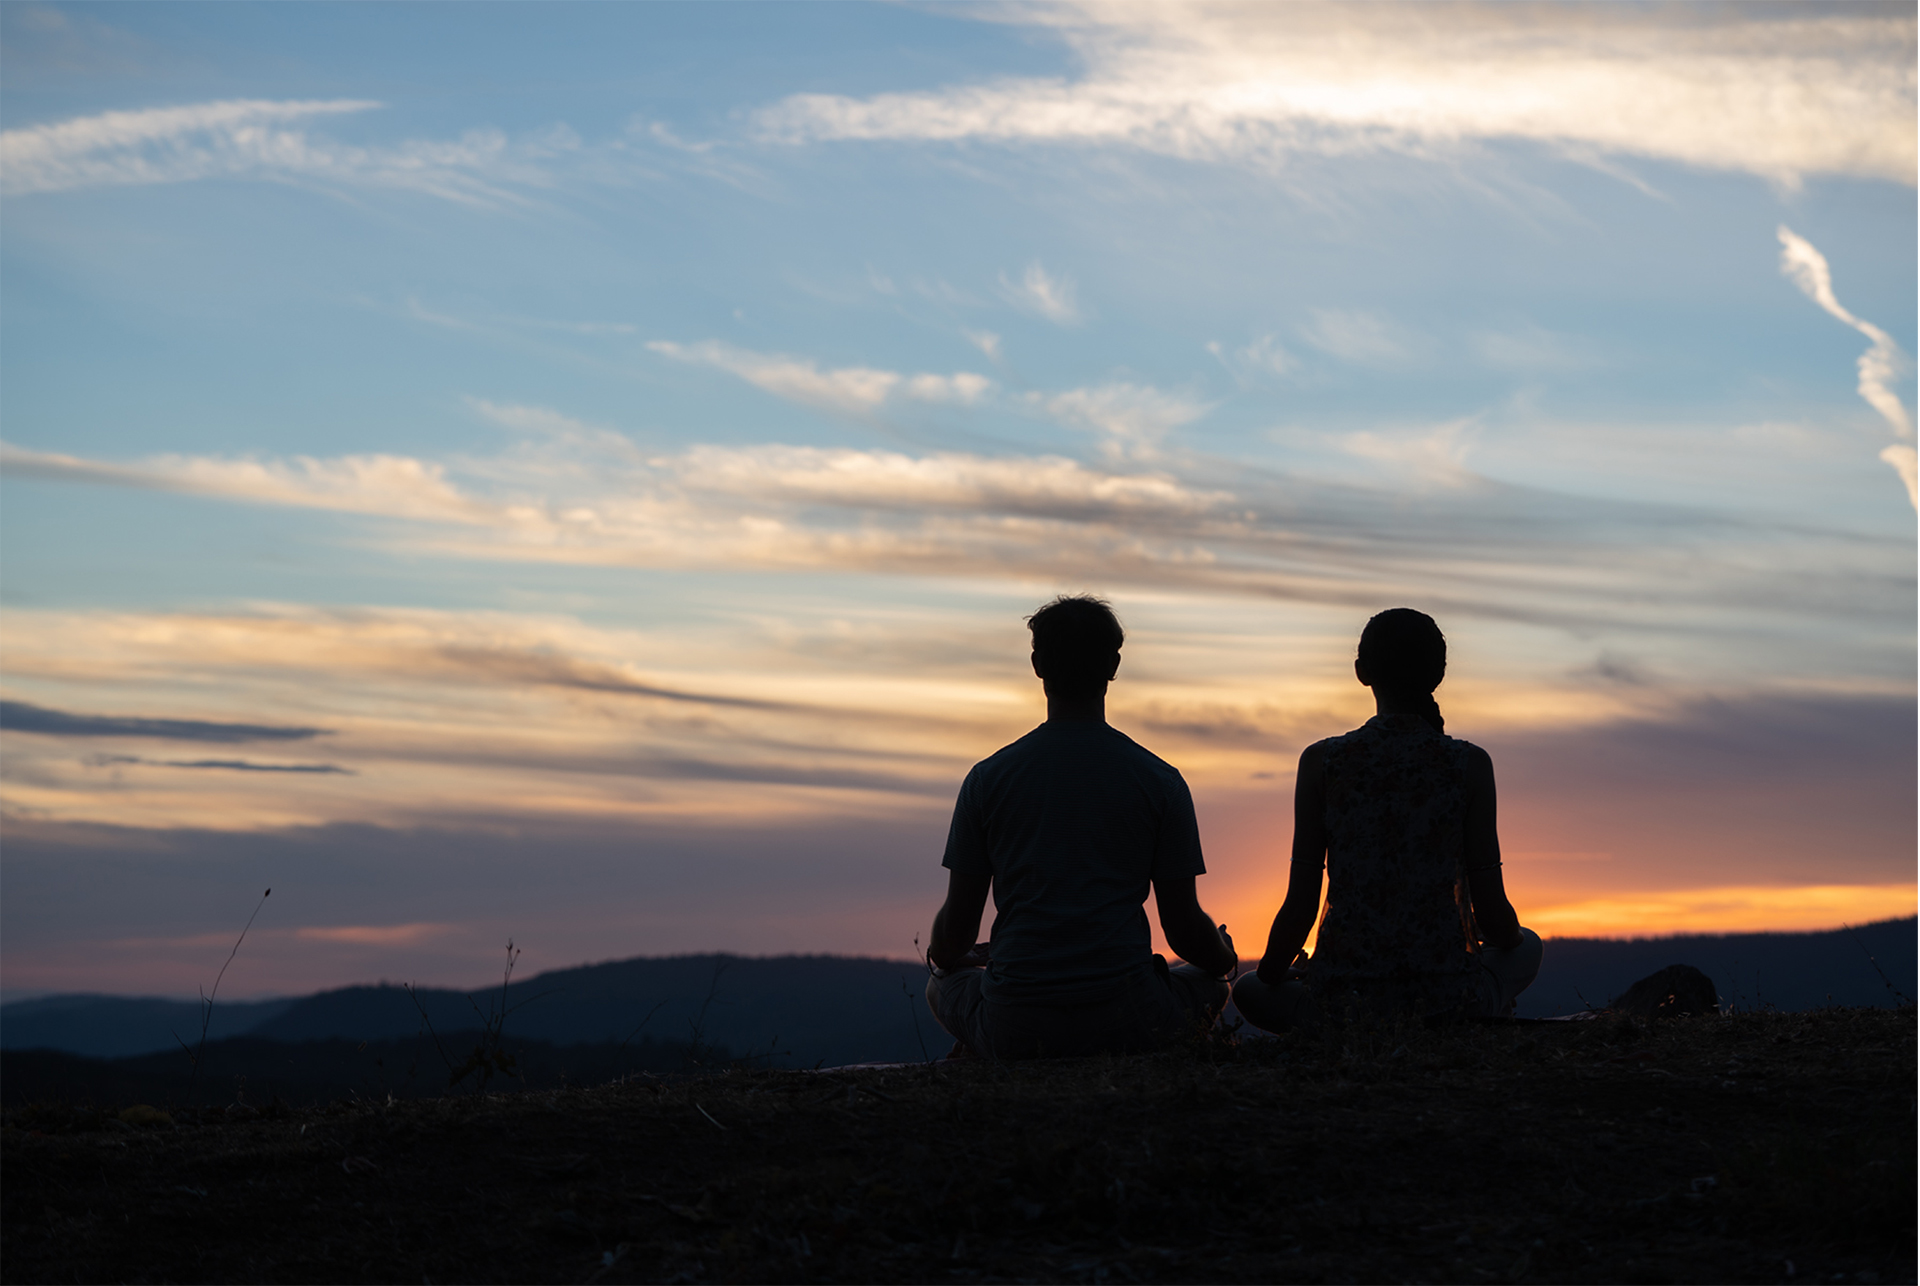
(1076, 645)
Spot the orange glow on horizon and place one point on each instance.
(1667, 913)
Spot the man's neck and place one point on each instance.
(1077, 709)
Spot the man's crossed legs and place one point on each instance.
(1148, 1012)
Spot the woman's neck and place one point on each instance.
(1399, 703)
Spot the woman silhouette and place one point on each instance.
(1401, 816)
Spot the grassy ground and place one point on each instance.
(1760, 1147)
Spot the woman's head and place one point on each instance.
(1403, 654)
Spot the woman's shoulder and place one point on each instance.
(1317, 752)
(1467, 750)
(1470, 758)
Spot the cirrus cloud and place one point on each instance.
(1807, 268)
(251, 137)
(1779, 93)
(855, 390)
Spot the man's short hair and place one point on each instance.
(1077, 638)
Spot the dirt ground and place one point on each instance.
(1757, 1147)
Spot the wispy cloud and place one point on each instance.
(545, 422)
(1039, 291)
(20, 716)
(1531, 349)
(963, 387)
(1135, 418)
(1497, 550)
(1436, 455)
(987, 342)
(1044, 485)
(152, 146)
(252, 137)
(1780, 93)
(377, 935)
(395, 486)
(1360, 337)
(227, 765)
(1265, 356)
(1807, 268)
(855, 390)
(537, 715)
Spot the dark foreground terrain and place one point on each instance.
(1756, 1147)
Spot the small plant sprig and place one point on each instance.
(1901, 995)
(487, 1056)
(206, 999)
(913, 1007)
(621, 1051)
(699, 1053)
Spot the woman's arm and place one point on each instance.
(1492, 912)
(1302, 906)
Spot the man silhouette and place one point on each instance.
(1069, 827)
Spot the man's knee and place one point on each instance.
(1201, 994)
(953, 997)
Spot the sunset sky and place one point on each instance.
(577, 472)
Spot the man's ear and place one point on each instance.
(1114, 668)
(1360, 673)
(1037, 667)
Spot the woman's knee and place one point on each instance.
(1271, 1008)
(1517, 966)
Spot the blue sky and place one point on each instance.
(647, 425)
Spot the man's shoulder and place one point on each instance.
(1148, 764)
(1101, 740)
(1009, 755)
(1123, 744)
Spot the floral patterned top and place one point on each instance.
(1398, 932)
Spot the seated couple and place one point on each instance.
(1070, 826)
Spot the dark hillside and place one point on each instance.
(1790, 971)
(116, 1026)
(805, 1010)
(1757, 1147)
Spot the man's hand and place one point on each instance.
(956, 929)
(978, 956)
(1191, 933)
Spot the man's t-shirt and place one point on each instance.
(1073, 822)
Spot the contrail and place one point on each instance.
(1807, 268)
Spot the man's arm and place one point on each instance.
(1492, 912)
(1302, 906)
(957, 924)
(1191, 932)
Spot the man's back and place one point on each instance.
(1073, 821)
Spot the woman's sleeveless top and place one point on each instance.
(1398, 933)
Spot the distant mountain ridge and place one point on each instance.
(804, 1010)
(1784, 971)
(800, 1009)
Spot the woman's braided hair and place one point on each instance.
(1404, 653)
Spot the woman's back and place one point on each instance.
(1398, 930)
